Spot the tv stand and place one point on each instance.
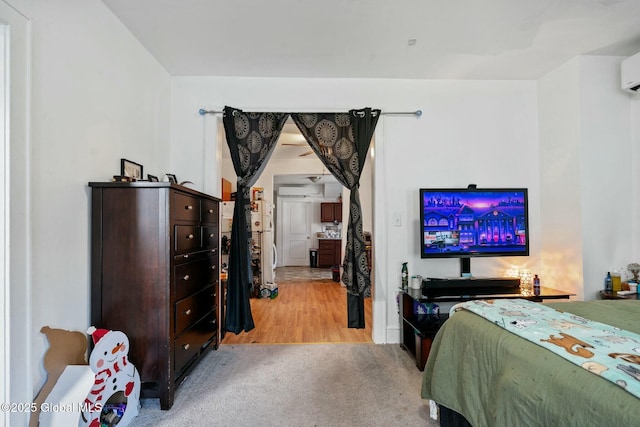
(418, 330)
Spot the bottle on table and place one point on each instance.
(608, 282)
(405, 276)
(536, 285)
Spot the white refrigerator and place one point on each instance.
(262, 229)
(262, 223)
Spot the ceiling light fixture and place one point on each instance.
(314, 179)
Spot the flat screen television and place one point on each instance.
(472, 222)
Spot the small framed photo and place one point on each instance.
(172, 178)
(152, 178)
(130, 169)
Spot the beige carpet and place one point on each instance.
(297, 385)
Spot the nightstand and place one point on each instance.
(614, 295)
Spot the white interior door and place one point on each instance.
(296, 232)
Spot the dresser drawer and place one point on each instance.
(193, 308)
(214, 271)
(210, 237)
(210, 213)
(185, 207)
(187, 238)
(190, 342)
(192, 276)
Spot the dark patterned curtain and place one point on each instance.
(251, 138)
(342, 140)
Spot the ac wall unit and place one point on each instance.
(630, 73)
(304, 191)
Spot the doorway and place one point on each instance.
(293, 166)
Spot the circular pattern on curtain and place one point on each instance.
(254, 142)
(326, 133)
(241, 125)
(344, 148)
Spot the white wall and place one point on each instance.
(587, 174)
(560, 154)
(97, 96)
(605, 133)
(482, 132)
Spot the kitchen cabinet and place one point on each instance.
(330, 212)
(329, 252)
(226, 190)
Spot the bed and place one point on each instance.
(491, 377)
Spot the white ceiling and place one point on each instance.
(454, 39)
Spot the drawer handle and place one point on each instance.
(185, 277)
(211, 211)
(186, 347)
(185, 256)
(213, 267)
(190, 236)
(188, 207)
(212, 235)
(214, 250)
(187, 312)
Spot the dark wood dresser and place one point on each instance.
(154, 276)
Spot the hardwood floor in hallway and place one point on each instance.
(306, 310)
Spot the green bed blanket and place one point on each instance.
(495, 378)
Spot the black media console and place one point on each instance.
(418, 330)
(471, 286)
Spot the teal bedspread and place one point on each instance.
(495, 378)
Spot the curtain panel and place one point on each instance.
(251, 138)
(341, 141)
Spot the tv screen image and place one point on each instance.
(470, 222)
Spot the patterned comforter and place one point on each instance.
(494, 377)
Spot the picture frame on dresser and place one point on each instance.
(152, 178)
(131, 169)
(172, 178)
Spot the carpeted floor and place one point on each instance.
(297, 385)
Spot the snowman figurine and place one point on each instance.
(115, 395)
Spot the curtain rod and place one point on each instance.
(416, 113)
